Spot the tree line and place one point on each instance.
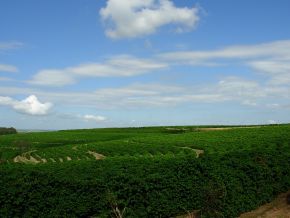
(6, 131)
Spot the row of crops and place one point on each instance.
(89, 151)
(163, 186)
(144, 172)
(130, 142)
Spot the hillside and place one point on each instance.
(219, 171)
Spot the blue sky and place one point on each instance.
(94, 63)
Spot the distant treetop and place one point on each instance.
(6, 131)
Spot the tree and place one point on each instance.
(6, 131)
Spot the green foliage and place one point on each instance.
(147, 172)
(7, 131)
(22, 145)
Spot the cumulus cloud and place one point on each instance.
(119, 66)
(8, 68)
(127, 18)
(94, 118)
(30, 105)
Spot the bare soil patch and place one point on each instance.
(197, 151)
(40, 158)
(96, 155)
(275, 209)
(26, 158)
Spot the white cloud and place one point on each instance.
(268, 59)
(122, 65)
(127, 18)
(94, 118)
(237, 87)
(271, 59)
(278, 70)
(30, 105)
(249, 92)
(119, 66)
(274, 105)
(5, 79)
(272, 66)
(10, 45)
(5, 46)
(245, 92)
(249, 103)
(138, 89)
(276, 49)
(140, 96)
(53, 78)
(12, 90)
(8, 68)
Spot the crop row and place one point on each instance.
(223, 185)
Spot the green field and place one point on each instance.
(143, 172)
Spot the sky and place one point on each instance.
(94, 63)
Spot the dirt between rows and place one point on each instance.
(27, 157)
(275, 209)
(197, 151)
(96, 155)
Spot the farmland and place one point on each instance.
(217, 171)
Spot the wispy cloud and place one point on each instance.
(8, 68)
(5, 79)
(267, 50)
(277, 69)
(272, 59)
(152, 95)
(30, 105)
(119, 66)
(94, 118)
(4, 46)
(50, 77)
(269, 60)
(128, 19)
